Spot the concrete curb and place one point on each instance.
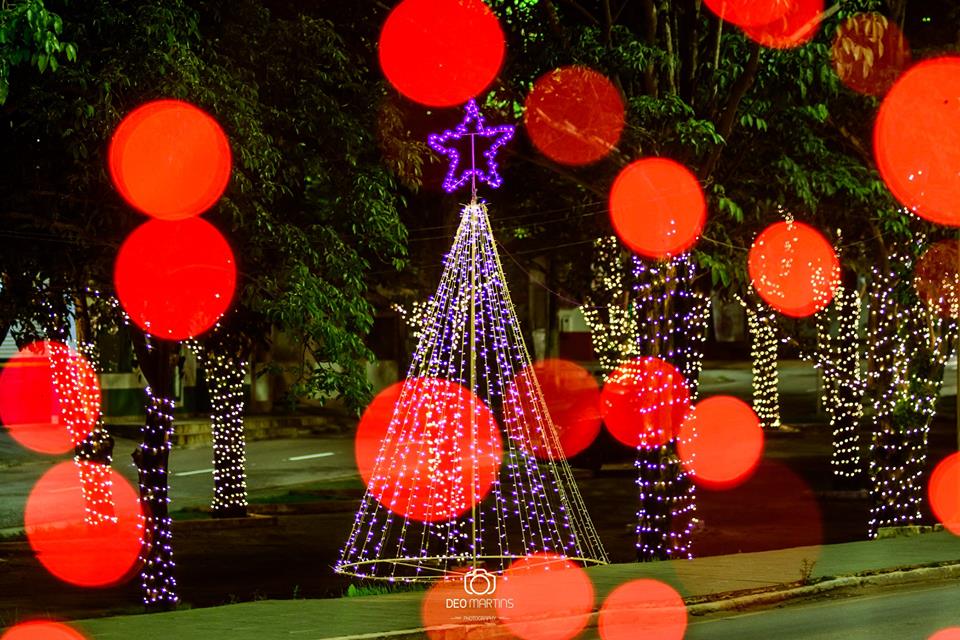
(716, 604)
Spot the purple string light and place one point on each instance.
(471, 127)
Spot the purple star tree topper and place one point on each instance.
(468, 131)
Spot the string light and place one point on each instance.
(762, 325)
(658, 315)
(838, 359)
(909, 343)
(157, 579)
(472, 337)
(472, 127)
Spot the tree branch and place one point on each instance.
(575, 5)
(729, 116)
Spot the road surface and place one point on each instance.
(271, 464)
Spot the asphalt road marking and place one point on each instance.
(325, 454)
(193, 473)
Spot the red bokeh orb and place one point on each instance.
(796, 27)
(41, 630)
(721, 442)
(747, 13)
(869, 52)
(175, 279)
(643, 608)
(657, 207)
(87, 555)
(441, 52)
(944, 492)
(794, 268)
(937, 278)
(170, 159)
(916, 140)
(574, 115)
(572, 398)
(49, 397)
(950, 633)
(413, 449)
(644, 402)
(544, 597)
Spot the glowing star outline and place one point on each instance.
(502, 134)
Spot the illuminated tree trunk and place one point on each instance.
(156, 360)
(762, 324)
(839, 361)
(225, 374)
(674, 331)
(909, 344)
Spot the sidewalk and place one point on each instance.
(698, 580)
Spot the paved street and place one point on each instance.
(270, 464)
(905, 614)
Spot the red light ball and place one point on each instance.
(944, 493)
(794, 268)
(572, 398)
(721, 442)
(41, 630)
(916, 140)
(574, 115)
(869, 52)
(644, 402)
(796, 27)
(170, 160)
(657, 207)
(87, 555)
(526, 611)
(175, 279)
(746, 13)
(643, 609)
(441, 52)
(413, 449)
(31, 406)
(937, 278)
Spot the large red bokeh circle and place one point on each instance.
(31, 406)
(413, 449)
(746, 13)
(87, 555)
(937, 278)
(794, 268)
(643, 609)
(657, 207)
(721, 442)
(644, 402)
(41, 630)
(175, 279)
(916, 140)
(950, 633)
(574, 115)
(170, 159)
(796, 27)
(944, 492)
(572, 398)
(525, 609)
(869, 52)
(441, 52)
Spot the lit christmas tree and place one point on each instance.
(470, 472)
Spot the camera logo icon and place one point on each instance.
(479, 582)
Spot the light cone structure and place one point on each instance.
(470, 473)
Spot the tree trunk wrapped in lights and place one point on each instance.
(225, 375)
(152, 455)
(909, 346)
(469, 337)
(762, 325)
(661, 315)
(838, 358)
